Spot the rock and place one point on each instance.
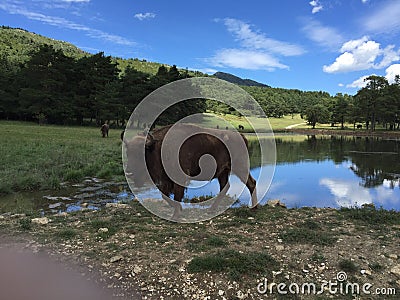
(62, 214)
(15, 216)
(395, 270)
(55, 205)
(221, 292)
(321, 268)
(240, 295)
(279, 247)
(41, 221)
(393, 256)
(276, 203)
(366, 272)
(116, 258)
(103, 230)
(137, 269)
(276, 273)
(117, 205)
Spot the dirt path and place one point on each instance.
(295, 125)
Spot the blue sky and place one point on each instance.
(308, 45)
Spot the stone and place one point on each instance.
(55, 205)
(276, 203)
(279, 247)
(393, 256)
(366, 272)
(116, 258)
(395, 270)
(103, 230)
(117, 205)
(240, 295)
(41, 221)
(137, 269)
(221, 292)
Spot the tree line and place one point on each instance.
(376, 103)
(52, 87)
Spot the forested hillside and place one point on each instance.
(45, 80)
(237, 80)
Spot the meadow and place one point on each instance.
(42, 157)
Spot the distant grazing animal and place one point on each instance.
(241, 127)
(206, 142)
(104, 129)
(359, 126)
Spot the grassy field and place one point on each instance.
(259, 124)
(41, 157)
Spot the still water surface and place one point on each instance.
(324, 171)
(316, 171)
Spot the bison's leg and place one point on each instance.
(251, 185)
(223, 188)
(178, 195)
(175, 205)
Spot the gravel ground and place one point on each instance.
(241, 254)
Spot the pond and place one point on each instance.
(322, 171)
(315, 171)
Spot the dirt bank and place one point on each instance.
(228, 257)
(384, 134)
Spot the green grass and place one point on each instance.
(234, 263)
(66, 234)
(348, 266)
(260, 124)
(371, 216)
(41, 157)
(308, 232)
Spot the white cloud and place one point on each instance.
(384, 19)
(256, 51)
(145, 16)
(392, 71)
(256, 40)
(347, 194)
(358, 83)
(362, 54)
(64, 23)
(323, 35)
(245, 59)
(364, 1)
(316, 6)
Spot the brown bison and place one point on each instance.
(196, 143)
(104, 129)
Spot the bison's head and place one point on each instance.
(136, 151)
